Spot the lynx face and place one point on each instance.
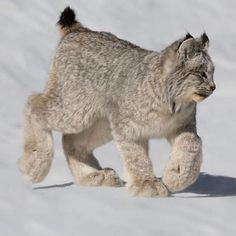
(197, 68)
(200, 78)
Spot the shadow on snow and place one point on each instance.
(206, 186)
(213, 186)
(54, 186)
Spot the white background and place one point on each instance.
(28, 38)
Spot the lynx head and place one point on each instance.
(191, 71)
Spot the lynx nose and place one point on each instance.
(212, 87)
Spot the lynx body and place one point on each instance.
(102, 88)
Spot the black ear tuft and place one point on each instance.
(204, 38)
(188, 36)
(67, 18)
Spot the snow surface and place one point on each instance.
(57, 206)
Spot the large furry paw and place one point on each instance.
(176, 182)
(34, 169)
(178, 177)
(105, 177)
(148, 188)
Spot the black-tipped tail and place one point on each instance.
(67, 18)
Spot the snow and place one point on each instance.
(58, 207)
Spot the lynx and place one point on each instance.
(103, 88)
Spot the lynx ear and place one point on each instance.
(186, 47)
(204, 41)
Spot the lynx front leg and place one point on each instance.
(38, 144)
(84, 166)
(140, 178)
(185, 160)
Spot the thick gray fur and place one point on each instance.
(103, 88)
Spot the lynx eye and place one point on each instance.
(203, 75)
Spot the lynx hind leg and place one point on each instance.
(38, 143)
(84, 166)
(183, 167)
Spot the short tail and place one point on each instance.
(67, 22)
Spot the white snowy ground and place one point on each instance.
(27, 42)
